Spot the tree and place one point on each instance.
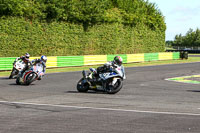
(87, 12)
(197, 38)
(169, 43)
(192, 38)
(178, 40)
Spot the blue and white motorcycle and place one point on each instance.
(110, 82)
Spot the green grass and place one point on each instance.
(69, 69)
(169, 48)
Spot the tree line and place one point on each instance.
(87, 12)
(190, 39)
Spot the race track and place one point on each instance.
(148, 103)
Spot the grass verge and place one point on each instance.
(69, 69)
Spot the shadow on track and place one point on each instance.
(21, 85)
(89, 92)
(4, 78)
(193, 91)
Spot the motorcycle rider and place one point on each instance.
(110, 66)
(27, 62)
(42, 60)
(25, 59)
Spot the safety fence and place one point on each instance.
(66, 61)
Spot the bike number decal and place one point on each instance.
(106, 74)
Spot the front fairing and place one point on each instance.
(24, 76)
(19, 65)
(116, 72)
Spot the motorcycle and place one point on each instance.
(17, 67)
(110, 82)
(29, 76)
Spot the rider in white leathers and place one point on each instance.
(110, 66)
(27, 62)
(42, 60)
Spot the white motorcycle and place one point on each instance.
(17, 67)
(29, 76)
(110, 82)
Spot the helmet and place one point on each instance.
(27, 55)
(118, 60)
(43, 58)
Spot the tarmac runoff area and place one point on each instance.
(149, 102)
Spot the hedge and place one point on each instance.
(18, 35)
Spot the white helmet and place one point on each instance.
(43, 58)
(27, 55)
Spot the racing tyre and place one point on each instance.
(17, 81)
(82, 86)
(14, 72)
(10, 77)
(112, 89)
(30, 78)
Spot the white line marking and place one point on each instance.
(105, 109)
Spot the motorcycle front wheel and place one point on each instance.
(112, 89)
(30, 78)
(82, 86)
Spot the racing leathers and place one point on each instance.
(35, 61)
(27, 62)
(108, 67)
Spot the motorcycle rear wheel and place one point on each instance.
(13, 73)
(17, 81)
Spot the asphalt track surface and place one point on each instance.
(147, 104)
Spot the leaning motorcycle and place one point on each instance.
(110, 82)
(17, 67)
(29, 76)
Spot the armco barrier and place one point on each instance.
(151, 57)
(165, 56)
(6, 63)
(94, 59)
(65, 61)
(176, 55)
(135, 58)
